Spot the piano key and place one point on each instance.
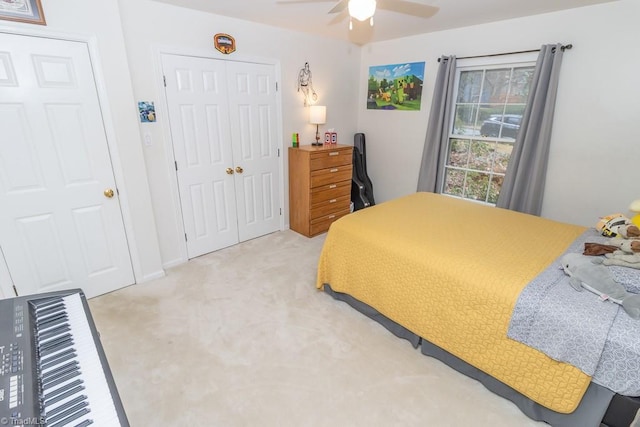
(61, 380)
(60, 372)
(68, 413)
(53, 332)
(85, 423)
(74, 391)
(102, 408)
(58, 358)
(63, 407)
(49, 310)
(73, 417)
(51, 394)
(57, 348)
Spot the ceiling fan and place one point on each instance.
(365, 9)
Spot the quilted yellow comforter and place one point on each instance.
(451, 271)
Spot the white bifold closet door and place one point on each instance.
(223, 124)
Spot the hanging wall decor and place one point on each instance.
(22, 11)
(395, 86)
(305, 85)
(224, 43)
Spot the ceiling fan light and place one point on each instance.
(362, 9)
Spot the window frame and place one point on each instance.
(478, 64)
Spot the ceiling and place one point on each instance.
(312, 17)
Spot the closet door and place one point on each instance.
(197, 99)
(252, 108)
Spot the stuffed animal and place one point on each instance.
(590, 274)
(610, 224)
(622, 259)
(629, 231)
(627, 246)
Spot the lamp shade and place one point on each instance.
(362, 9)
(635, 206)
(317, 114)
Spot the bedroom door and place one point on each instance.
(222, 117)
(60, 223)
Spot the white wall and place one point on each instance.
(150, 25)
(101, 22)
(593, 168)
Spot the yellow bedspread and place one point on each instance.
(451, 271)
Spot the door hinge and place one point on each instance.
(164, 79)
(276, 86)
(278, 152)
(280, 211)
(15, 290)
(186, 239)
(176, 163)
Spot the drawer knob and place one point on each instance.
(334, 153)
(331, 216)
(332, 201)
(334, 170)
(333, 186)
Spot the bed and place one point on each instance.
(446, 274)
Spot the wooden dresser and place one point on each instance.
(319, 186)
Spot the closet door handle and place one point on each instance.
(229, 171)
(239, 169)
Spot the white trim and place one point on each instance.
(163, 110)
(6, 283)
(109, 128)
(152, 276)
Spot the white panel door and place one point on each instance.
(58, 229)
(223, 124)
(252, 107)
(196, 90)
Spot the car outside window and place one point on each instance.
(487, 115)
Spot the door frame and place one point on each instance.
(110, 135)
(163, 109)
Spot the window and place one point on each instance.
(489, 105)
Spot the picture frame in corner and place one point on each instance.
(29, 11)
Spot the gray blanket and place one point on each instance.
(596, 336)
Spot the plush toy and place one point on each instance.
(622, 259)
(628, 231)
(610, 225)
(590, 274)
(627, 246)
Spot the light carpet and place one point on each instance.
(241, 337)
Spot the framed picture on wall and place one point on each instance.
(22, 11)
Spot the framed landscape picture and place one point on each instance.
(22, 11)
(395, 86)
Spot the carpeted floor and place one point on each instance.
(241, 337)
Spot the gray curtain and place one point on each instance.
(436, 142)
(523, 186)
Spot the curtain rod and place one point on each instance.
(565, 47)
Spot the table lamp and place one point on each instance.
(317, 116)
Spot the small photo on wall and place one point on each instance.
(147, 112)
(395, 86)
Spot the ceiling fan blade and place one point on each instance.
(339, 17)
(408, 8)
(342, 5)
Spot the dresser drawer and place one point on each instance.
(330, 176)
(320, 225)
(330, 158)
(330, 206)
(330, 191)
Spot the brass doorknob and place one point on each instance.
(239, 169)
(108, 193)
(229, 171)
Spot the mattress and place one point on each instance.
(450, 271)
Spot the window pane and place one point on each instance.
(481, 155)
(453, 182)
(458, 153)
(494, 188)
(465, 120)
(469, 86)
(476, 186)
(501, 158)
(520, 85)
(496, 86)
